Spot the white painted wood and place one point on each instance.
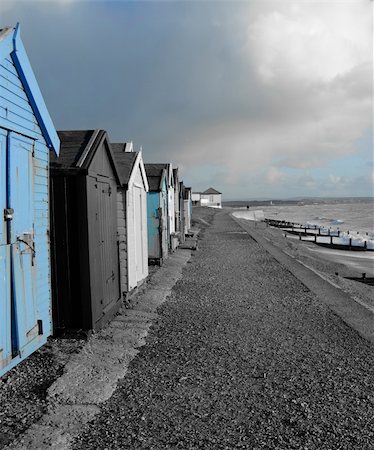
(171, 209)
(136, 220)
(122, 238)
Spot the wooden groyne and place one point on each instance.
(363, 279)
(317, 235)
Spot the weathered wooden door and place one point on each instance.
(103, 247)
(5, 299)
(18, 256)
(164, 224)
(21, 195)
(108, 238)
(154, 225)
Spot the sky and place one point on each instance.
(265, 99)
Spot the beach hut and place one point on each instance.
(132, 216)
(85, 275)
(27, 137)
(157, 213)
(187, 209)
(175, 237)
(181, 211)
(212, 198)
(196, 198)
(170, 203)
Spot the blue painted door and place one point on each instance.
(154, 225)
(18, 310)
(164, 225)
(5, 313)
(21, 189)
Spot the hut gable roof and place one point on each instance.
(169, 171)
(154, 170)
(155, 174)
(211, 191)
(127, 161)
(78, 149)
(11, 46)
(73, 143)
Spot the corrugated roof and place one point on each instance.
(124, 161)
(211, 191)
(73, 143)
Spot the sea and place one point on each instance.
(354, 220)
(346, 217)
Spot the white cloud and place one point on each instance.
(309, 41)
(315, 62)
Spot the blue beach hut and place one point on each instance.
(157, 213)
(27, 136)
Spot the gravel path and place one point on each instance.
(243, 356)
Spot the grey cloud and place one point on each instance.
(181, 80)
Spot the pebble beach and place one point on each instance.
(241, 355)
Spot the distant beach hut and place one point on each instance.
(170, 203)
(157, 198)
(187, 210)
(181, 211)
(132, 216)
(85, 275)
(175, 237)
(196, 198)
(27, 136)
(176, 200)
(212, 198)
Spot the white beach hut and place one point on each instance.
(132, 216)
(187, 210)
(171, 206)
(212, 198)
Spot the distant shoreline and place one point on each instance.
(296, 202)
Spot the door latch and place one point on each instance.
(8, 213)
